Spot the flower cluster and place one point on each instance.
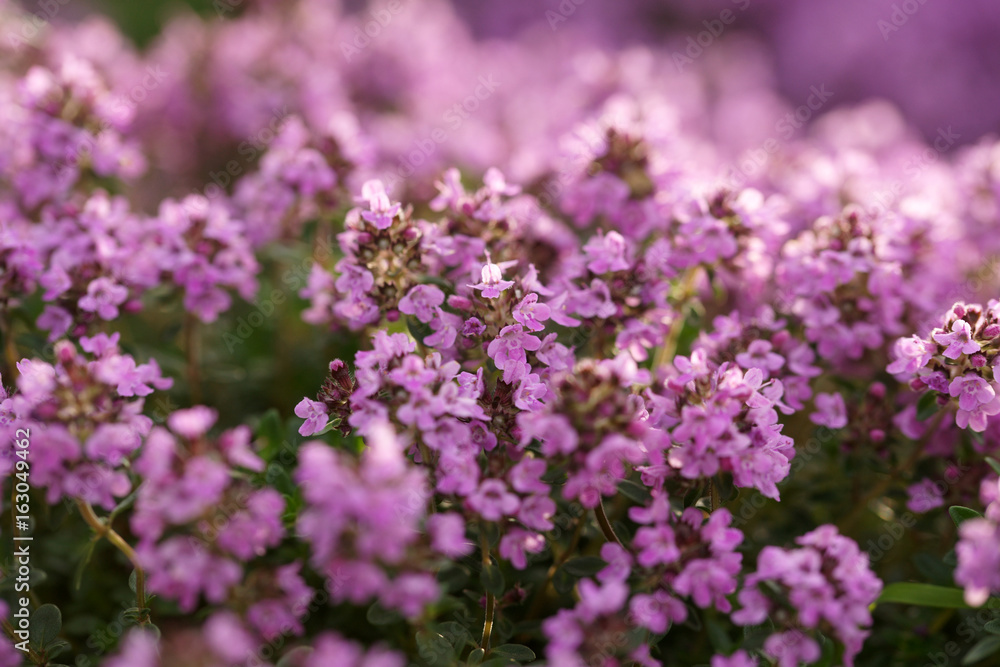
(826, 583)
(85, 413)
(955, 365)
(978, 557)
(196, 523)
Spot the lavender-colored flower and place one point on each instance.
(958, 340)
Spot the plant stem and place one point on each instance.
(9, 349)
(666, 351)
(484, 548)
(606, 528)
(104, 529)
(192, 351)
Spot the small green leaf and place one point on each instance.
(476, 658)
(492, 579)
(985, 648)
(634, 492)
(993, 464)
(927, 405)
(456, 633)
(584, 566)
(518, 652)
(379, 615)
(993, 627)
(46, 623)
(132, 581)
(960, 514)
(924, 595)
(434, 648)
(88, 551)
(294, 657)
(563, 581)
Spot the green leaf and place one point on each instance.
(983, 649)
(960, 514)
(46, 623)
(927, 405)
(434, 648)
(379, 615)
(924, 595)
(270, 430)
(132, 581)
(492, 579)
(88, 551)
(933, 569)
(456, 633)
(476, 658)
(993, 464)
(294, 657)
(584, 566)
(563, 581)
(993, 627)
(518, 652)
(634, 491)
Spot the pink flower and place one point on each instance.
(971, 390)
(830, 411)
(493, 501)
(491, 282)
(448, 534)
(977, 418)
(315, 415)
(421, 302)
(759, 355)
(509, 349)
(959, 341)
(530, 313)
(382, 211)
(924, 496)
(517, 543)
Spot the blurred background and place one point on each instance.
(938, 61)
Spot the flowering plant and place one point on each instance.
(566, 383)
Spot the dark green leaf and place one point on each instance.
(993, 627)
(434, 648)
(517, 652)
(294, 657)
(993, 464)
(960, 514)
(492, 579)
(379, 615)
(634, 492)
(924, 595)
(584, 566)
(475, 658)
(132, 581)
(563, 581)
(456, 633)
(45, 625)
(983, 649)
(927, 405)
